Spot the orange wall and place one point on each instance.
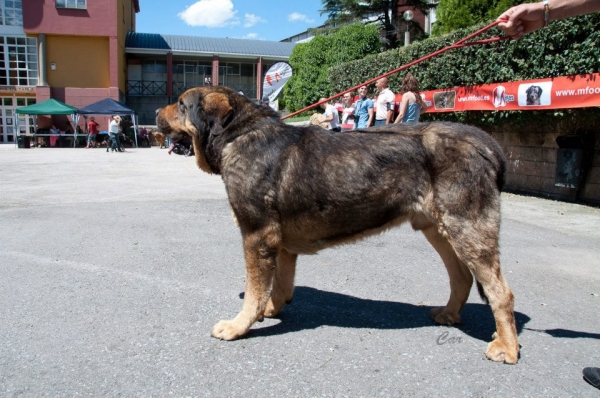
(125, 22)
(94, 38)
(80, 61)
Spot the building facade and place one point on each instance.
(161, 67)
(18, 69)
(80, 48)
(424, 20)
(83, 51)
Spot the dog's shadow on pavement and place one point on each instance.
(313, 308)
(567, 334)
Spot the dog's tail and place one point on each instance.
(482, 293)
(497, 160)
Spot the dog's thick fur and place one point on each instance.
(297, 190)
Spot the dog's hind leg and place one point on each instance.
(283, 283)
(476, 244)
(461, 279)
(261, 249)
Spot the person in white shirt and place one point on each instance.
(331, 116)
(384, 104)
(348, 122)
(113, 129)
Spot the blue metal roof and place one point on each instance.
(214, 45)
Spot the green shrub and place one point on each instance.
(310, 61)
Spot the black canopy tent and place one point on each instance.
(109, 106)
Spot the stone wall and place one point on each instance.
(531, 167)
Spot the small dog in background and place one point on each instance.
(534, 94)
(159, 138)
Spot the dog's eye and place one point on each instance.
(181, 106)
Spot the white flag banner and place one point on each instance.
(275, 79)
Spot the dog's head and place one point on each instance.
(533, 95)
(211, 116)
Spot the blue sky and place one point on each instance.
(240, 19)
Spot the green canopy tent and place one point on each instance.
(48, 107)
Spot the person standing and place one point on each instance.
(348, 112)
(364, 109)
(331, 116)
(265, 101)
(113, 129)
(527, 18)
(92, 131)
(384, 104)
(55, 135)
(412, 104)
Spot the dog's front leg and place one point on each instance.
(260, 250)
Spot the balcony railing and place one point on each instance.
(159, 88)
(139, 87)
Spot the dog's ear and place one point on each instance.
(218, 112)
(217, 104)
(209, 112)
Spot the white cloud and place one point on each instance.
(210, 13)
(252, 20)
(252, 36)
(296, 16)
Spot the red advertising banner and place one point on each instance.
(578, 91)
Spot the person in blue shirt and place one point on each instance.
(412, 104)
(363, 111)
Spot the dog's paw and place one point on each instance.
(273, 309)
(441, 317)
(499, 351)
(227, 330)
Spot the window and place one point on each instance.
(247, 70)
(18, 61)
(154, 66)
(81, 4)
(11, 13)
(233, 69)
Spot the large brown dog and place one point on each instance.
(297, 190)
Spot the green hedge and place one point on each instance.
(563, 48)
(310, 61)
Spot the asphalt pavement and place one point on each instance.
(115, 266)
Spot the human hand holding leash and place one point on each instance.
(526, 18)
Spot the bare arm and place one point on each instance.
(371, 113)
(403, 106)
(392, 105)
(526, 18)
(327, 117)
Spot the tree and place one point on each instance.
(459, 14)
(382, 12)
(311, 61)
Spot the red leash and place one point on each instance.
(458, 44)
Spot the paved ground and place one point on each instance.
(114, 267)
